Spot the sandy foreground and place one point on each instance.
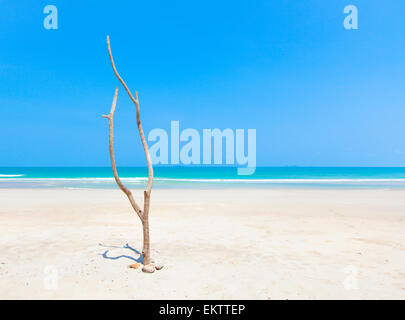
(215, 244)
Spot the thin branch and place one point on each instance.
(138, 121)
(110, 118)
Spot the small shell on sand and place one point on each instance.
(134, 266)
(159, 266)
(149, 268)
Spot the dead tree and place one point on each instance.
(142, 214)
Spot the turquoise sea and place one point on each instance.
(204, 177)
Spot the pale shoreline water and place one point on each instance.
(205, 177)
(234, 244)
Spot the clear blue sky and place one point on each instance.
(317, 94)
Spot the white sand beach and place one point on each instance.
(215, 244)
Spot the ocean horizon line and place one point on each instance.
(208, 172)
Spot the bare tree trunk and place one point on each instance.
(143, 215)
(145, 225)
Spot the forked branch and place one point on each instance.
(128, 192)
(138, 120)
(143, 215)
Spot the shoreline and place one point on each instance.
(196, 184)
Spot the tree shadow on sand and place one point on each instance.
(105, 256)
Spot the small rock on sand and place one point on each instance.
(159, 266)
(134, 266)
(149, 268)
